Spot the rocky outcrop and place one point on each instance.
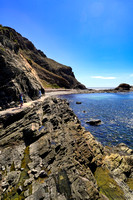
(46, 154)
(94, 122)
(123, 87)
(16, 77)
(26, 69)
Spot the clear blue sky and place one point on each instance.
(94, 37)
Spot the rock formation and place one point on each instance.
(24, 69)
(94, 122)
(45, 154)
(123, 87)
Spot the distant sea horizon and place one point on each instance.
(101, 88)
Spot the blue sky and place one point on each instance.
(94, 37)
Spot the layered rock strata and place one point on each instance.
(46, 154)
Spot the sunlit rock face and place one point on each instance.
(24, 69)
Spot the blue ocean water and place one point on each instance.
(115, 110)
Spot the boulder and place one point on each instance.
(123, 87)
(78, 102)
(94, 122)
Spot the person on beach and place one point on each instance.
(21, 100)
(40, 93)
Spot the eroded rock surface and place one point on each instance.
(46, 154)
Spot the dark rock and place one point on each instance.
(34, 171)
(5, 184)
(123, 87)
(94, 122)
(84, 111)
(42, 174)
(78, 102)
(19, 190)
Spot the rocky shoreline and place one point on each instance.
(46, 154)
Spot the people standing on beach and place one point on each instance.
(40, 93)
(21, 100)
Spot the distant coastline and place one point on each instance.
(100, 88)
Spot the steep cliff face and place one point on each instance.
(24, 69)
(16, 76)
(46, 154)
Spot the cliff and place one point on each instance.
(24, 69)
(46, 154)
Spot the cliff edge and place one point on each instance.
(24, 69)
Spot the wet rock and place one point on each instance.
(78, 102)
(94, 122)
(84, 111)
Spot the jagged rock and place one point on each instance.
(63, 162)
(16, 77)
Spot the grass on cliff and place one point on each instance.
(49, 86)
(107, 184)
(44, 72)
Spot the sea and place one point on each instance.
(115, 110)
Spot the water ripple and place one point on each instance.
(114, 110)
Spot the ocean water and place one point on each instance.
(115, 110)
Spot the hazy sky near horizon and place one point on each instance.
(94, 37)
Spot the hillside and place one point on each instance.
(24, 69)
